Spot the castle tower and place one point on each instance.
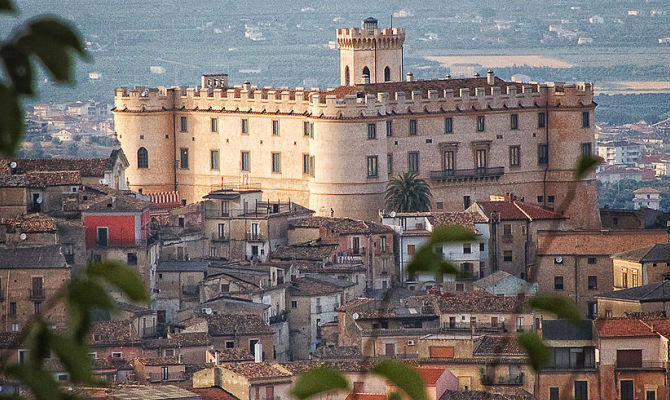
(372, 52)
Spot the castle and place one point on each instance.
(335, 150)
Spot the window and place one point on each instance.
(387, 74)
(225, 208)
(305, 163)
(15, 326)
(389, 163)
(412, 127)
(593, 282)
(142, 158)
(410, 249)
(467, 248)
(585, 119)
(214, 124)
(372, 166)
(372, 131)
(222, 231)
(246, 166)
(214, 159)
(413, 162)
(38, 305)
(382, 244)
(294, 304)
(591, 260)
(389, 128)
(346, 76)
(448, 125)
(366, 72)
(634, 282)
(276, 162)
(230, 344)
(466, 202)
(541, 120)
(482, 246)
(481, 123)
(558, 283)
(183, 158)
(514, 156)
(542, 154)
(275, 127)
(439, 205)
(307, 128)
(181, 222)
(481, 160)
(551, 199)
(23, 356)
(507, 229)
(514, 121)
(448, 162)
(103, 236)
(245, 126)
(131, 258)
(184, 124)
(581, 390)
(117, 354)
(507, 255)
(586, 149)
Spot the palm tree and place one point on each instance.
(407, 193)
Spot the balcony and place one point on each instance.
(216, 237)
(255, 237)
(351, 256)
(467, 174)
(508, 380)
(36, 294)
(281, 317)
(622, 365)
(161, 377)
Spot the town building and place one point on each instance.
(334, 151)
(620, 152)
(501, 283)
(641, 266)
(646, 299)
(647, 197)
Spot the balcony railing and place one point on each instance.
(507, 380)
(255, 236)
(216, 237)
(119, 243)
(148, 331)
(459, 174)
(351, 256)
(644, 365)
(36, 294)
(281, 317)
(171, 376)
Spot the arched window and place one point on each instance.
(366, 72)
(387, 74)
(346, 76)
(142, 158)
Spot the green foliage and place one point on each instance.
(557, 305)
(537, 352)
(83, 295)
(426, 260)
(47, 39)
(585, 165)
(407, 193)
(404, 377)
(317, 381)
(395, 396)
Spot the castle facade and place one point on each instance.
(334, 151)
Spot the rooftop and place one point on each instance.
(624, 328)
(30, 223)
(430, 375)
(33, 257)
(647, 190)
(477, 395)
(655, 253)
(479, 303)
(184, 339)
(258, 370)
(497, 346)
(113, 333)
(236, 324)
(314, 251)
(516, 210)
(153, 392)
(311, 286)
(659, 291)
(337, 352)
(567, 330)
(234, 355)
(116, 203)
(343, 226)
(465, 219)
(183, 266)
(597, 242)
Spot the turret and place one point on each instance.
(370, 52)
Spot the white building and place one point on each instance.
(413, 231)
(647, 197)
(620, 152)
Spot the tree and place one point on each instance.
(407, 193)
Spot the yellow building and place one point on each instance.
(334, 151)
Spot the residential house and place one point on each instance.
(413, 230)
(159, 369)
(501, 283)
(573, 364)
(437, 380)
(232, 331)
(30, 277)
(513, 227)
(117, 229)
(241, 226)
(181, 231)
(35, 192)
(366, 242)
(647, 197)
(311, 303)
(633, 360)
(577, 264)
(115, 339)
(113, 370)
(248, 380)
(642, 266)
(350, 272)
(188, 348)
(177, 285)
(620, 152)
(652, 298)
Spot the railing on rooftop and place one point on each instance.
(644, 365)
(456, 174)
(505, 380)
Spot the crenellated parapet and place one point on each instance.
(364, 39)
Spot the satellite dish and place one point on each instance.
(558, 259)
(12, 164)
(102, 181)
(23, 236)
(39, 200)
(392, 214)
(354, 315)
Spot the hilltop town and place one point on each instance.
(256, 219)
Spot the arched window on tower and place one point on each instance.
(366, 72)
(142, 158)
(387, 74)
(346, 76)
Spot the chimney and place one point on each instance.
(490, 77)
(447, 76)
(409, 77)
(247, 86)
(476, 74)
(258, 352)
(366, 79)
(216, 357)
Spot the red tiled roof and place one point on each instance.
(430, 375)
(597, 242)
(623, 328)
(365, 396)
(647, 189)
(516, 210)
(213, 393)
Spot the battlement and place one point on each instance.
(418, 97)
(361, 33)
(361, 38)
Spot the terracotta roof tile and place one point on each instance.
(158, 361)
(93, 167)
(497, 345)
(236, 324)
(365, 396)
(344, 226)
(337, 352)
(112, 333)
(116, 203)
(479, 303)
(516, 210)
(597, 242)
(234, 355)
(214, 393)
(623, 328)
(313, 251)
(430, 375)
(308, 286)
(185, 339)
(30, 223)
(254, 370)
(465, 219)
